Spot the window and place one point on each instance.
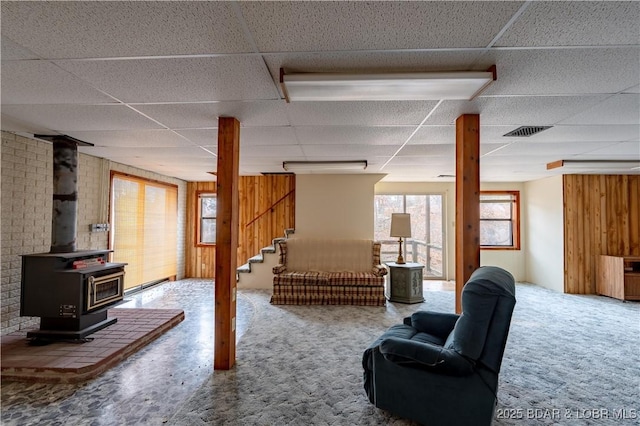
(500, 220)
(207, 205)
(426, 244)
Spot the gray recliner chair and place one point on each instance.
(440, 368)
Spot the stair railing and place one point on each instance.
(270, 209)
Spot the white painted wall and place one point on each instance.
(335, 206)
(513, 261)
(543, 211)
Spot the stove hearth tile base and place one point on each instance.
(72, 361)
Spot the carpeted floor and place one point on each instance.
(569, 360)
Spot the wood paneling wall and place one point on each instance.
(601, 216)
(267, 208)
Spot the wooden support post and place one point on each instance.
(467, 200)
(226, 243)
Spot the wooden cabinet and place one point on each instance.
(619, 277)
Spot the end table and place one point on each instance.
(405, 282)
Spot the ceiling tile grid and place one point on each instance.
(147, 81)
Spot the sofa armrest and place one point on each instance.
(379, 271)
(278, 269)
(439, 324)
(425, 356)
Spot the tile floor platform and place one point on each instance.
(72, 362)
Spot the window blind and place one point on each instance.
(144, 228)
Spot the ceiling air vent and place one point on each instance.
(525, 131)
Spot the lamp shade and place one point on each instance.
(400, 225)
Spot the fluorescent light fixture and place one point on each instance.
(323, 166)
(413, 86)
(596, 165)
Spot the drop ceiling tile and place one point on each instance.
(619, 109)
(562, 71)
(41, 82)
(229, 78)
(547, 150)
(13, 51)
(11, 124)
(422, 161)
(186, 155)
(362, 152)
(305, 26)
(64, 118)
(634, 89)
(202, 137)
(116, 29)
(428, 150)
(492, 148)
(375, 113)
(278, 151)
(260, 136)
(353, 135)
(132, 138)
(514, 111)
(575, 23)
(256, 162)
(249, 136)
(202, 115)
(619, 151)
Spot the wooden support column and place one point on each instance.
(467, 200)
(226, 243)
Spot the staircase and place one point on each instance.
(257, 272)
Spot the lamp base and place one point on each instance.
(400, 260)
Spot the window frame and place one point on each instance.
(515, 219)
(198, 237)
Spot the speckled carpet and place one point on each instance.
(569, 360)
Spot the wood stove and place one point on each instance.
(71, 292)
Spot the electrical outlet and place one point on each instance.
(99, 227)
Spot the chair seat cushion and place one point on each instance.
(404, 331)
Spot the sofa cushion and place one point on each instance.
(355, 279)
(329, 255)
(301, 278)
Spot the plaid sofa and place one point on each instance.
(329, 272)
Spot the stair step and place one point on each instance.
(270, 249)
(246, 268)
(256, 259)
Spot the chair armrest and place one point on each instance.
(439, 324)
(278, 269)
(434, 358)
(379, 271)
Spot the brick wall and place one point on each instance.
(26, 187)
